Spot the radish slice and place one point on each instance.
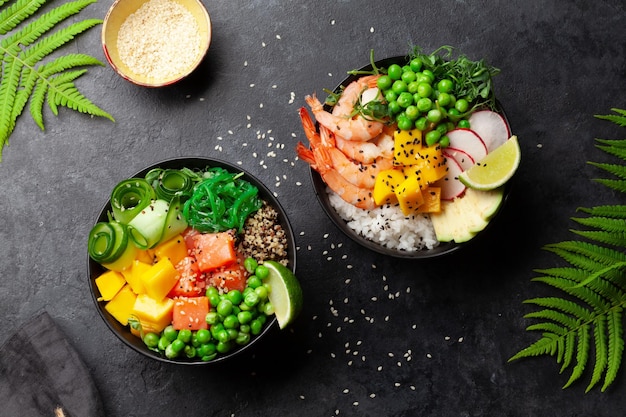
(491, 127)
(451, 186)
(463, 159)
(468, 141)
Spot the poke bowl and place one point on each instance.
(378, 186)
(188, 268)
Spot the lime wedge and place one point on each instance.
(285, 293)
(495, 169)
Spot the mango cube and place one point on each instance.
(385, 186)
(159, 279)
(109, 284)
(406, 145)
(133, 275)
(410, 196)
(432, 200)
(121, 306)
(432, 163)
(154, 315)
(145, 256)
(175, 249)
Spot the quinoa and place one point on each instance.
(161, 40)
(263, 237)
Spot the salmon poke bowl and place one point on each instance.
(411, 156)
(183, 258)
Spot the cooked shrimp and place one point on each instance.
(359, 174)
(357, 128)
(357, 196)
(367, 152)
(351, 94)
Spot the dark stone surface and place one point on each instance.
(377, 336)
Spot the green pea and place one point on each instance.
(424, 90)
(424, 104)
(216, 328)
(203, 336)
(222, 336)
(250, 264)
(256, 326)
(261, 292)
(170, 333)
(244, 317)
(394, 71)
(244, 328)
(206, 349)
(405, 99)
(443, 99)
(235, 296)
(268, 308)
(399, 86)
(445, 85)
(184, 335)
(408, 76)
(170, 353)
(190, 351)
(384, 82)
(262, 272)
(224, 347)
(231, 322)
(429, 74)
(251, 299)
(390, 96)
(421, 123)
(254, 281)
(232, 333)
(422, 78)
(412, 112)
(225, 307)
(461, 105)
(177, 345)
(242, 338)
(412, 87)
(415, 65)
(464, 124)
(444, 141)
(151, 339)
(163, 343)
(432, 137)
(404, 123)
(212, 317)
(393, 107)
(434, 115)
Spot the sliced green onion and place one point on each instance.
(129, 197)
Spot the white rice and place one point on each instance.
(387, 225)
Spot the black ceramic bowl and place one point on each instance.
(319, 186)
(95, 269)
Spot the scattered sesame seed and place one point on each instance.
(371, 30)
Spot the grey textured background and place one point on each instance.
(377, 336)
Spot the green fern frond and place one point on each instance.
(614, 212)
(619, 118)
(25, 74)
(617, 170)
(589, 314)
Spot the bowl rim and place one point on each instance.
(167, 82)
(123, 332)
(443, 248)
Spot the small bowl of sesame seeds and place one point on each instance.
(155, 43)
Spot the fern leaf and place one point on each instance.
(617, 185)
(566, 306)
(15, 14)
(614, 212)
(582, 355)
(617, 151)
(25, 76)
(608, 238)
(586, 255)
(620, 143)
(617, 170)
(601, 348)
(546, 345)
(616, 346)
(619, 118)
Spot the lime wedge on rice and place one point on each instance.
(285, 293)
(495, 169)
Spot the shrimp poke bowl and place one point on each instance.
(411, 156)
(183, 261)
